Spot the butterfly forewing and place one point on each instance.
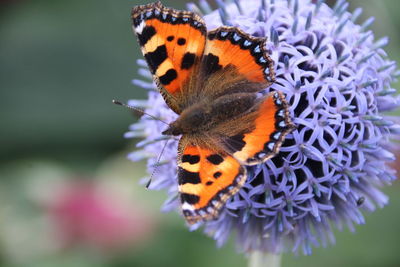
(172, 43)
(207, 179)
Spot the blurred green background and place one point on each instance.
(61, 64)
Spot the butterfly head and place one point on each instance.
(191, 121)
(171, 130)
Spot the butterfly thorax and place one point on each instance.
(206, 115)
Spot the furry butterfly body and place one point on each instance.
(215, 81)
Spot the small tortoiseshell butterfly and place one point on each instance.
(213, 81)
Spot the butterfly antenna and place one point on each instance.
(138, 110)
(157, 164)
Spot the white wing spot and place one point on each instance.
(140, 28)
(187, 206)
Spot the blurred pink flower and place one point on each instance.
(83, 214)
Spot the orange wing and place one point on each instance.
(172, 42)
(270, 124)
(231, 47)
(206, 181)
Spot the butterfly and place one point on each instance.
(214, 80)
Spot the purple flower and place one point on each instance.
(337, 79)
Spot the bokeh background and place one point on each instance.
(68, 195)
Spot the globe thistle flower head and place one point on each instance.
(337, 80)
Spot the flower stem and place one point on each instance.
(259, 259)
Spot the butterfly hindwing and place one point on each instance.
(172, 43)
(262, 137)
(207, 179)
(234, 61)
